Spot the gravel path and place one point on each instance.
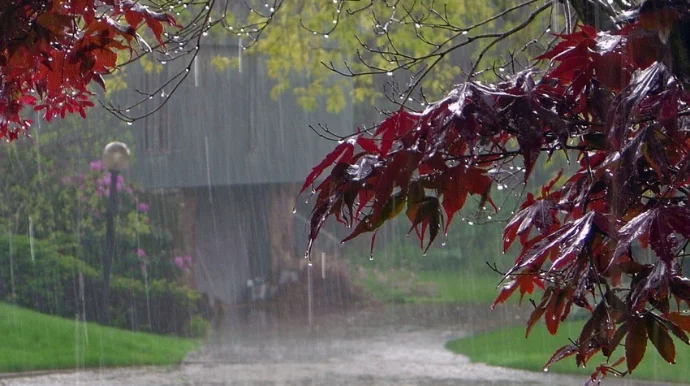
(373, 347)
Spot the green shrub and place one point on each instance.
(198, 327)
(43, 279)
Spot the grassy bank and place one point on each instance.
(430, 286)
(509, 348)
(34, 341)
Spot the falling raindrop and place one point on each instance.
(310, 297)
(323, 265)
(11, 254)
(31, 240)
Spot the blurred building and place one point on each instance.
(239, 157)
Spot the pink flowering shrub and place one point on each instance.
(143, 247)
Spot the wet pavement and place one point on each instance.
(379, 346)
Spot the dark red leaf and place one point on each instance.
(540, 214)
(627, 104)
(393, 127)
(539, 311)
(427, 214)
(675, 329)
(680, 320)
(505, 293)
(680, 287)
(616, 340)
(368, 145)
(566, 243)
(343, 152)
(635, 344)
(661, 224)
(457, 184)
(660, 338)
(560, 354)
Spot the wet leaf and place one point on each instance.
(540, 214)
(660, 338)
(635, 344)
(343, 151)
(560, 354)
(680, 320)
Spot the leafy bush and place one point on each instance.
(42, 278)
(198, 327)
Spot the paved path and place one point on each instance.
(370, 348)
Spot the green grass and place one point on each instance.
(509, 348)
(449, 287)
(462, 288)
(35, 341)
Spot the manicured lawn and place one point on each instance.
(463, 288)
(509, 348)
(433, 287)
(34, 341)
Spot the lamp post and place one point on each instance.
(115, 159)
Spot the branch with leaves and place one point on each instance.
(612, 101)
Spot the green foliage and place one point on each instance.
(508, 347)
(303, 36)
(198, 327)
(32, 183)
(50, 190)
(40, 277)
(34, 341)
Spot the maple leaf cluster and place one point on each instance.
(52, 50)
(605, 100)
